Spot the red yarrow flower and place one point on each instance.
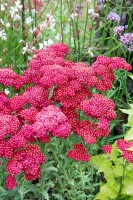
(79, 153)
(107, 148)
(11, 182)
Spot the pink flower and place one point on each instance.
(10, 182)
(99, 106)
(29, 114)
(51, 119)
(107, 148)
(79, 153)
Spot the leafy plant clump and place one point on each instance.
(53, 98)
(117, 165)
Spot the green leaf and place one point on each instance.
(130, 167)
(102, 162)
(112, 92)
(129, 135)
(127, 111)
(130, 121)
(114, 152)
(118, 170)
(52, 169)
(131, 105)
(131, 198)
(106, 192)
(131, 76)
(128, 187)
(58, 196)
(45, 195)
(2, 190)
(21, 192)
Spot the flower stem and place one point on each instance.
(121, 181)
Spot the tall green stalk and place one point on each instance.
(86, 22)
(121, 181)
(105, 28)
(62, 37)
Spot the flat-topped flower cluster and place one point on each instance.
(57, 91)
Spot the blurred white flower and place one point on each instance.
(33, 11)
(90, 11)
(7, 91)
(33, 48)
(46, 43)
(28, 20)
(41, 46)
(43, 25)
(21, 41)
(31, 30)
(13, 11)
(25, 49)
(58, 37)
(18, 5)
(3, 35)
(74, 15)
(51, 21)
(90, 51)
(2, 8)
(16, 17)
(1, 21)
(8, 25)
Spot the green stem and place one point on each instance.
(61, 21)
(35, 13)
(30, 16)
(121, 181)
(105, 29)
(86, 22)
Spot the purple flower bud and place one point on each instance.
(127, 40)
(113, 16)
(101, 1)
(108, 157)
(118, 30)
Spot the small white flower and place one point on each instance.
(18, 5)
(1, 21)
(43, 25)
(16, 17)
(13, 11)
(28, 20)
(21, 41)
(3, 35)
(33, 11)
(51, 21)
(33, 48)
(41, 46)
(45, 43)
(90, 52)
(58, 37)
(2, 7)
(74, 15)
(48, 42)
(90, 11)
(25, 49)
(7, 91)
(31, 31)
(8, 25)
